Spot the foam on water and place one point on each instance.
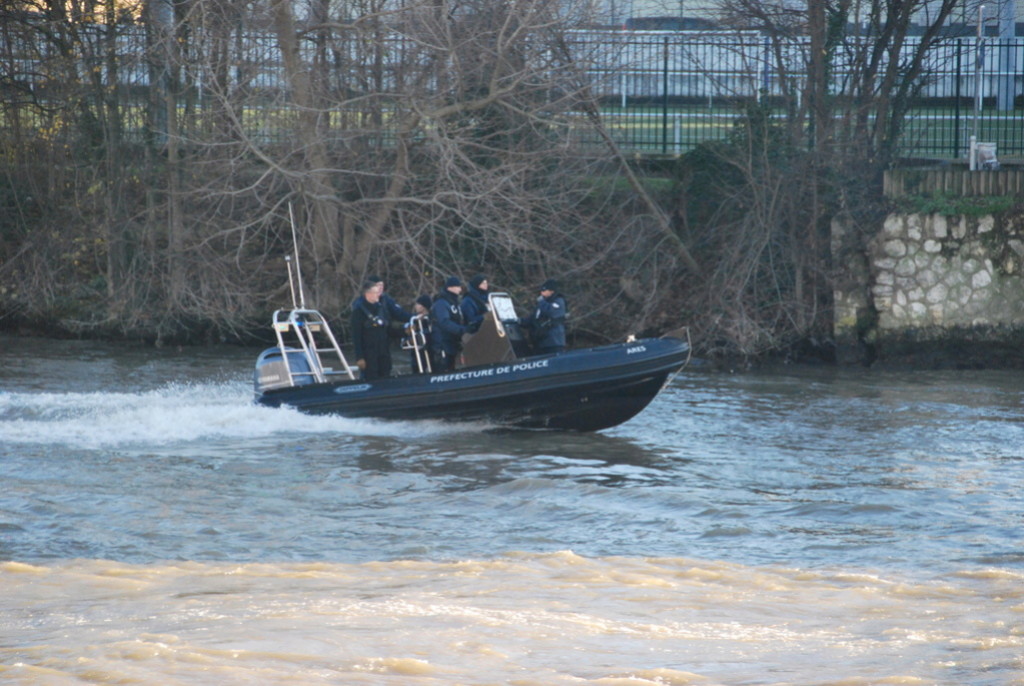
(556, 618)
(177, 413)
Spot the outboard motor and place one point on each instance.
(271, 371)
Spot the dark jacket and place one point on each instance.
(547, 323)
(370, 322)
(447, 324)
(395, 310)
(474, 307)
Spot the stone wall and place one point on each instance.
(931, 290)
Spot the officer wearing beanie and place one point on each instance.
(547, 322)
(474, 305)
(448, 325)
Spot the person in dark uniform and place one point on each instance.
(421, 358)
(547, 322)
(474, 304)
(370, 324)
(448, 326)
(394, 309)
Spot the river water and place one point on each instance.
(805, 526)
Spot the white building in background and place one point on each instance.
(1000, 16)
(620, 12)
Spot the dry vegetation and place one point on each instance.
(412, 141)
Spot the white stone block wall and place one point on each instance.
(933, 270)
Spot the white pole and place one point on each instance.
(1005, 89)
(298, 265)
(291, 282)
(978, 59)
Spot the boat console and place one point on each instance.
(499, 339)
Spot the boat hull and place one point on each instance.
(581, 390)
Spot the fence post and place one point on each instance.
(664, 99)
(765, 62)
(956, 97)
(1006, 82)
(979, 63)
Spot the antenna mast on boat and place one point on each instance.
(291, 281)
(298, 266)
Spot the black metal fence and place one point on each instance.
(668, 92)
(661, 92)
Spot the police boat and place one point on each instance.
(498, 383)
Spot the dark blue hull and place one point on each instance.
(580, 390)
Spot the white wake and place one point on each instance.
(175, 413)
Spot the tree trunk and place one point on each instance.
(817, 74)
(321, 197)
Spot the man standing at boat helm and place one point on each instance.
(370, 324)
(547, 323)
(448, 326)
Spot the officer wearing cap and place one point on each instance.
(448, 325)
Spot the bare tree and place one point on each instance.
(437, 138)
(61, 72)
(411, 140)
(860, 69)
(769, 191)
(414, 140)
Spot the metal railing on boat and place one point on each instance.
(311, 332)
